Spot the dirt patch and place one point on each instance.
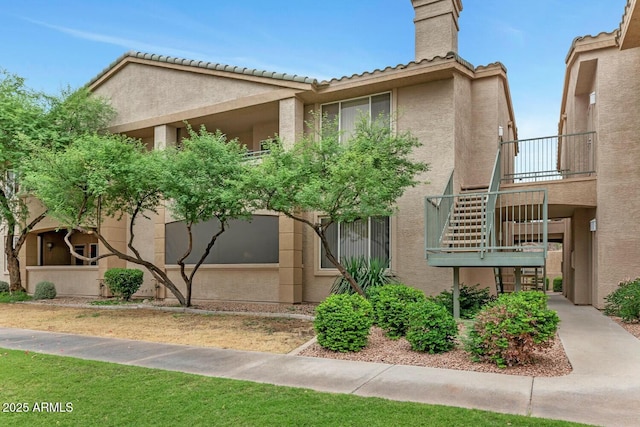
(245, 332)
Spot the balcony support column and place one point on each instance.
(291, 126)
(456, 293)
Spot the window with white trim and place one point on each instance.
(369, 238)
(347, 113)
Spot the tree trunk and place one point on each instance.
(336, 263)
(13, 265)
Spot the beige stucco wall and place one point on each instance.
(258, 283)
(69, 280)
(618, 157)
(554, 265)
(616, 247)
(428, 112)
(139, 91)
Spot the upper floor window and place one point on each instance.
(347, 113)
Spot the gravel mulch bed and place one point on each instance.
(553, 362)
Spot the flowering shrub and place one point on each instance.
(509, 331)
(624, 302)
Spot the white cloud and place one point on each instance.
(128, 44)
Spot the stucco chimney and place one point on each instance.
(436, 24)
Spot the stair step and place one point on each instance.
(471, 222)
(466, 227)
(468, 215)
(475, 188)
(462, 243)
(471, 201)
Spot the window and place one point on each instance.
(243, 242)
(347, 113)
(79, 249)
(93, 252)
(369, 238)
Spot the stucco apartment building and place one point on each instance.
(493, 213)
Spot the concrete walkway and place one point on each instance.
(603, 389)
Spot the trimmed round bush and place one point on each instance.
(45, 290)
(432, 328)
(557, 284)
(343, 322)
(390, 307)
(4, 286)
(511, 330)
(123, 282)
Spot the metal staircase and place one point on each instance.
(486, 227)
(468, 222)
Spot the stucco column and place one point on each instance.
(290, 231)
(163, 136)
(115, 232)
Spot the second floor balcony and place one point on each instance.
(549, 158)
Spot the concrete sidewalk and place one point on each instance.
(603, 389)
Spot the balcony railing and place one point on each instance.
(256, 154)
(549, 158)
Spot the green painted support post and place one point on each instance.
(456, 293)
(518, 286)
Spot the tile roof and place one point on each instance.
(206, 65)
(281, 76)
(585, 37)
(450, 55)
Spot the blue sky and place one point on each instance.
(55, 43)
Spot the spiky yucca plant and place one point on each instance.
(368, 273)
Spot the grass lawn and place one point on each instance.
(108, 394)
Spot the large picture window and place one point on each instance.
(244, 242)
(345, 114)
(369, 238)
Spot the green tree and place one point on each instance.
(345, 181)
(31, 119)
(206, 178)
(113, 176)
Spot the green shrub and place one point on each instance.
(343, 322)
(45, 290)
(546, 283)
(472, 299)
(431, 328)
(509, 331)
(624, 302)
(4, 286)
(6, 297)
(390, 307)
(367, 273)
(123, 282)
(557, 284)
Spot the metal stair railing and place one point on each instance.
(438, 211)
